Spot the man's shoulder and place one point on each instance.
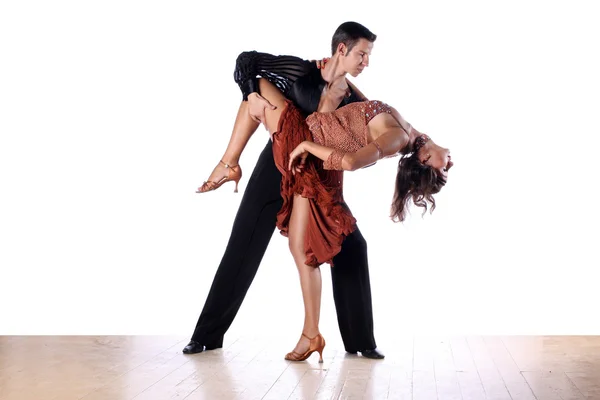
(261, 54)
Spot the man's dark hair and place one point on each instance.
(350, 33)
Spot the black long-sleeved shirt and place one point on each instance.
(299, 80)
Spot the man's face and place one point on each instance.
(357, 59)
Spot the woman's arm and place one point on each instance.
(387, 144)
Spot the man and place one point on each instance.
(310, 88)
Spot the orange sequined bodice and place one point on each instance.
(344, 129)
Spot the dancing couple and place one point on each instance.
(320, 125)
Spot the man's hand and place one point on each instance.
(257, 106)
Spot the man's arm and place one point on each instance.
(282, 71)
(359, 94)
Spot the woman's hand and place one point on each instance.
(298, 155)
(321, 63)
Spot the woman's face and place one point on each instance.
(436, 157)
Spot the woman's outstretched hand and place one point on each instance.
(298, 157)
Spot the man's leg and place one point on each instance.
(352, 296)
(252, 230)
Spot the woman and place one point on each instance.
(314, 216)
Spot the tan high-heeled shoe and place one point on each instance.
(316, 344)
(234, 174)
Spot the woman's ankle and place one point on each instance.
(230, 159)
(311, 333)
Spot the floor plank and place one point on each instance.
(423, 367)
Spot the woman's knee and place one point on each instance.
(266, 87)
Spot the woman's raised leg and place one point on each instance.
(243, 128)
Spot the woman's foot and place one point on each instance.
(222, 173)
(306, 346)
(303, 345)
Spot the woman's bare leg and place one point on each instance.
(275, 97)
(310, 277)
(244, 127)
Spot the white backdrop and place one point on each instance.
(112, 113)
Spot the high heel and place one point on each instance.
(234, 174)
(316, 344)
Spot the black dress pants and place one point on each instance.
(252, 230)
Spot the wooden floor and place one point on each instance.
(141, 367)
